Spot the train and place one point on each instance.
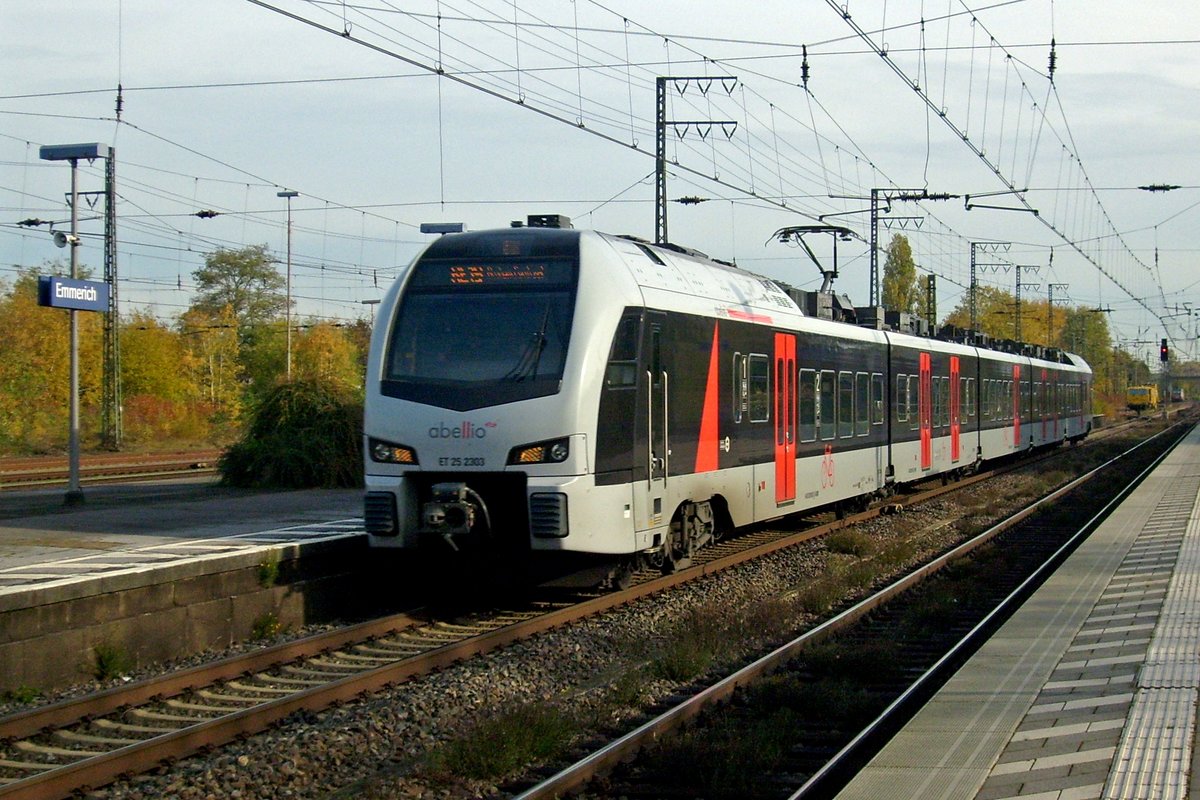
(554, 391)
(1141, 398)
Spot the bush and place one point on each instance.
(302, 435)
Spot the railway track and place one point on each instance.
(29, 472)
(57, 750)
(842, 688)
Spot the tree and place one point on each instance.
(151, 355)
(211, 348)
(245, 285)
(34, 362)
(900, 277)
(158, 399)
(246, 282)
(326, 355)
(994, 309)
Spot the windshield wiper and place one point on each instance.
(531, 356)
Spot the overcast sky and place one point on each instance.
(549, 108)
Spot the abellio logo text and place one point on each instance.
(464, 430)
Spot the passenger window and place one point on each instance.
(914, 398)
(902, 398)
(845, 404)
(621, 372)
(759, 401)
(808, 405)
(827, 420)
(862, 404)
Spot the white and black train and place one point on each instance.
(554, 390)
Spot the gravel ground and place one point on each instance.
(374, 748)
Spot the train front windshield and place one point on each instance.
(471, 334)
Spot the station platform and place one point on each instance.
(162, 570)
(139, 528)
(1090, 689)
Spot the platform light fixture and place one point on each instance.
(442, 228)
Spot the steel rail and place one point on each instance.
(602, 761)
(34, 472)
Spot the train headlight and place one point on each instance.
(388, 453)
(552, 452)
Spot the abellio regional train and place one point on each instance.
(552, 390)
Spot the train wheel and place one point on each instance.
(622, 574)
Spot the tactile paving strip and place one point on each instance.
(1155, 752)
(1094, 731)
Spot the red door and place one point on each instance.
(955, 409)
(925, 411)
(785, 418)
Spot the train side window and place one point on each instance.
(759, 382)
(621, 372)
(985, 396)
(935, 414)
(739, 387)
(808, 405)
(845, 404)
(876, 398)
(827, 418)
(862, 404)
(914, 398)
(947, 387)
(902, 398)
(965, 386)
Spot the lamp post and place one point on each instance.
(289, 194)
(72, 153)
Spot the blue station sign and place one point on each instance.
(80, 295)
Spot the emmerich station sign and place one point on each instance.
(80, 295)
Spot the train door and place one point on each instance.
(955, 409)
(658, 384)
(925, 410)
(784, 402)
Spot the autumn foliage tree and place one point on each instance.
(900, 277)
(210, 359)
(244, 287)
(325, 354)
(34, 365)
(159, 400)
